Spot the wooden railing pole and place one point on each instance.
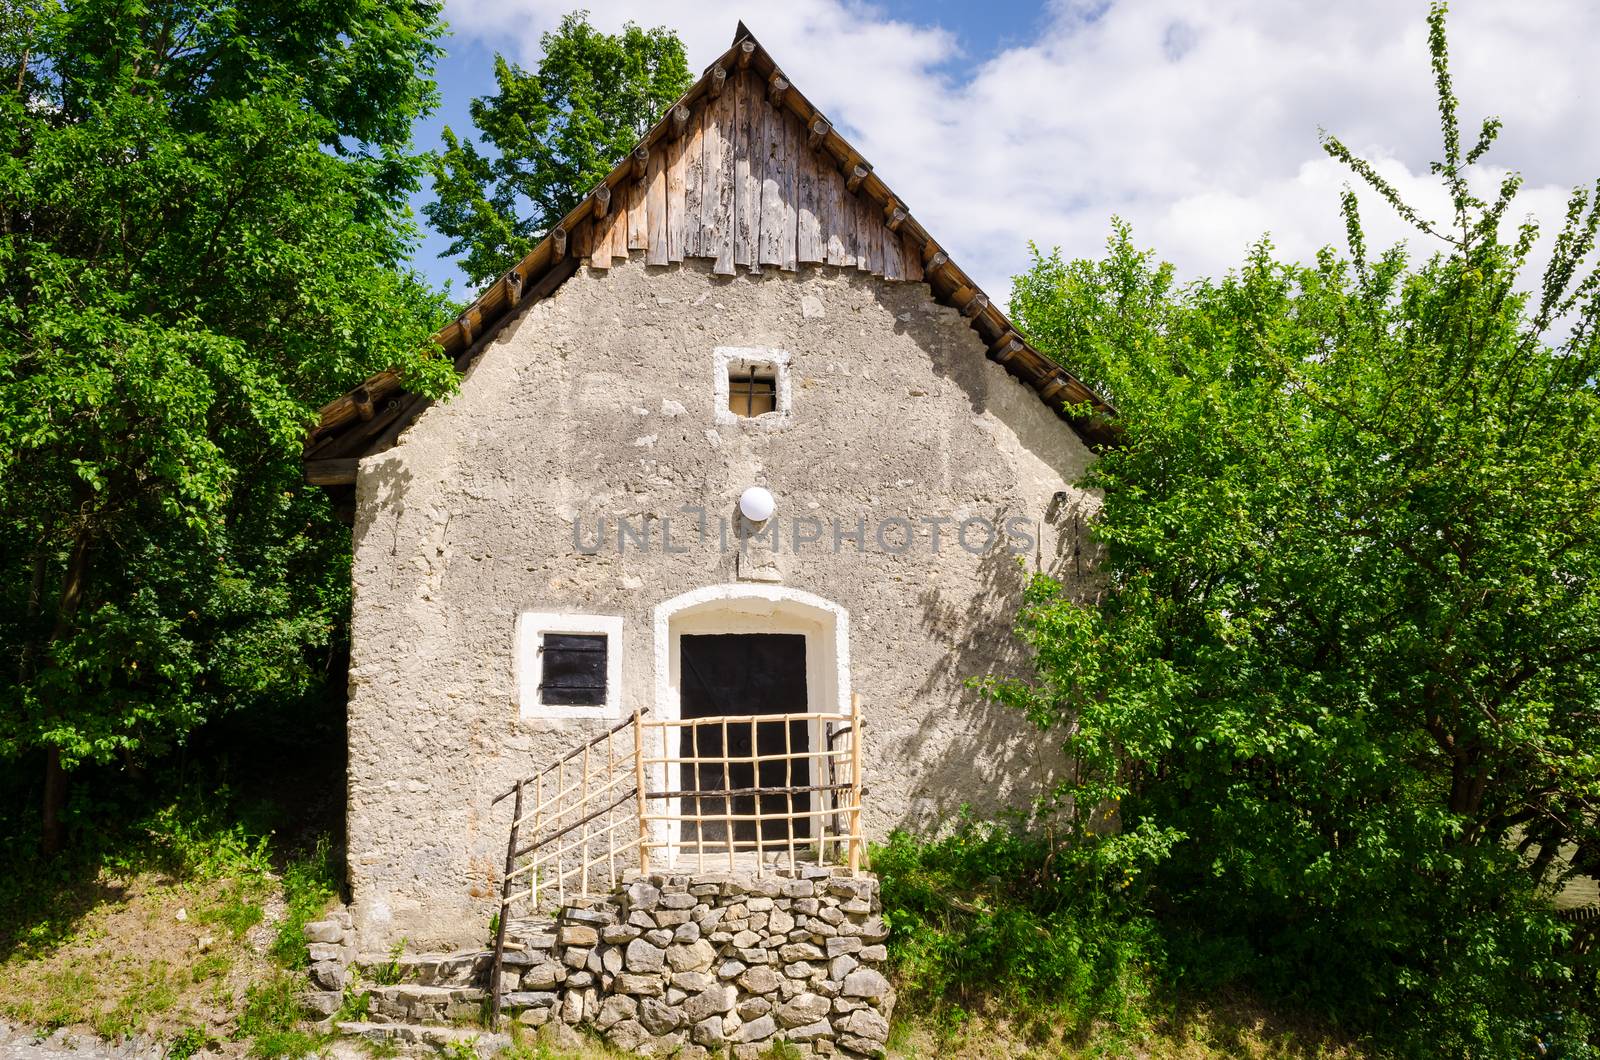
(638, 776)
(855, 784)
(505, 911)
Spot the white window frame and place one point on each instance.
(531, 628)
(728, 359)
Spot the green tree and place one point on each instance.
(551, 136)
(204, 231)
(1347, 656)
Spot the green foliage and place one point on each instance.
(551, 136)
(270, 1019)
(203, 208)
(310, 882)
(389, 974)
(1344, 669)
(191, 1040)
(996, 915)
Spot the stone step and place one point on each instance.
(413, 1002)
(432, 1039)
(460, 968)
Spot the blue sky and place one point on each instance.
(1007, 123)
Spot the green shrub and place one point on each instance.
(996, 914)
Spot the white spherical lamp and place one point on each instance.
(757, 504)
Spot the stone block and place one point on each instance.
(694, 982)
(679, 901)
(758, 1030)
(543, 976)
(799, 951)
(864, 982)
(642, 985)
(861, 1046)
(641, 895)
(670, 918)
(627, 1035)
(642, 957)
(321, 1003)
(323, 931)
(620, 934)
(329, 975)
(575, 957)
(531, 999)
(841, 966)
(709, 1032)
(714, 1000)
(577, 935)
(759, 980)
(843, 944)
(803, 1009)
(865, 1023)
(615, 1009)
(874, 953)
(697, 956)
(810, 1032)
(753, 1008)
(658, 1017)
(730, 969)
(327, 951)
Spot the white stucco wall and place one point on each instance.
(601, 401)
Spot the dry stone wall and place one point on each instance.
(714, 965)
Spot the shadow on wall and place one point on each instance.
(386, 486)
(1018, 762)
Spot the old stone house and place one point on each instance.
(737, 437)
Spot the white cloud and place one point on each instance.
(1197, 123)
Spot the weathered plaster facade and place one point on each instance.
(600, 401)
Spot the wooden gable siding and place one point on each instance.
(742, 171)
(740, 186)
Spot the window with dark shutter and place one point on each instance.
(573, 669)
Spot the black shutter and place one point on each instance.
(574, 670)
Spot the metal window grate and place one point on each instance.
(752, 391)
(573, 669)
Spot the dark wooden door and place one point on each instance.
(732, 675)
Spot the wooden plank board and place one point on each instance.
(585, 245)
(911, 256)
(873, 212)
(655, 205)
(810, 246)
(794, 152)
(677, 156)
(774, 185)
(619, 223)
(746, 171)
(693, 181)
(892, 269)
(861, 235)
(717, 208)
(836, 220)
(638, 217)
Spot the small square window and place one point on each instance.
(752, 386)
(573, 669)
(753, 390)
(569, 666)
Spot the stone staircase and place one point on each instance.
(432, 1001)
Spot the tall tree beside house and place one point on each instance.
(1346, 670)
(550, 136)
(203, 212)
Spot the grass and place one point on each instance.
(186, 929)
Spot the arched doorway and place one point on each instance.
(746, 651)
